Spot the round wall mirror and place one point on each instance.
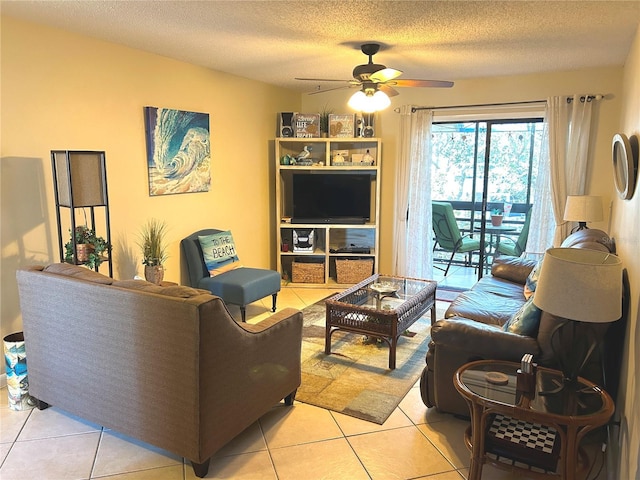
(624, 166)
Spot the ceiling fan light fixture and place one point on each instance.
(357, 100)
(369, 101)
(381, 100)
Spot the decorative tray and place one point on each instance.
(384, 288)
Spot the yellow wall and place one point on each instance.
(65, 91)
(625, 229)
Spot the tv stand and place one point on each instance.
(337, 239)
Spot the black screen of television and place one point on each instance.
(332, 198)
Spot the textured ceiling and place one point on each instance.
(276, 41)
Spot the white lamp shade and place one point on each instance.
(583, 208)
(357, 100)
(381, 101)
(369, 102)
(580, 284)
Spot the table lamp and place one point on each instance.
(583, 209)
(582, 287)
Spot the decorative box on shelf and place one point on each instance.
(341, 125)
(353, 270)
(307, 125)
(307, 271)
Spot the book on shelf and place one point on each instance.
(341, 125)
(307, 125)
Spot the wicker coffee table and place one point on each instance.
(381, 307)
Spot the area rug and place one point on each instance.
(355, 378)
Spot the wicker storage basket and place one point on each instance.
(353, 271)
(307, 272)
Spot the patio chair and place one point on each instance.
(515, 248)
(448, 234)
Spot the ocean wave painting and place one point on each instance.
(178, 151)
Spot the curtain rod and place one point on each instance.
(583, 98)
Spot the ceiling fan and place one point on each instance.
(372, 77)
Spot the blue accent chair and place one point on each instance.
(241, 286)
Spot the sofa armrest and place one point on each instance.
(481, 340)
(270, 321)
(514, 269)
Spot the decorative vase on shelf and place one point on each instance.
(154, 273)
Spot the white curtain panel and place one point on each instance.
(413, 243)
(419, 227)
(568, 128)
(401, 201)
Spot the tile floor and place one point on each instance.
(299, 442)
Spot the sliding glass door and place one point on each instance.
(482, 167)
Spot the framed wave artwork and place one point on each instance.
(178, 151)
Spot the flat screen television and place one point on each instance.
(342, 198)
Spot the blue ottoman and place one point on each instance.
(243, 286)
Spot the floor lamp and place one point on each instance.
(583, 209)
(582, 287)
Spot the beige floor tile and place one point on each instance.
(448, 437)
(398, 454)
(53, 422)
(12, 422)
(355, 426)
(250, 440)
(4, 398)
(413, 406)
(454, 475)
(61, 458)
(4, 450)
(249, 466)
(285, 426)
(120, 454)
(312, 295)
(174, 472)
(330, 459)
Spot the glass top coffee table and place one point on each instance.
(382, 307)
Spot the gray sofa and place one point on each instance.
(472, 328)
(166, 365)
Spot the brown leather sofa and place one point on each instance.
(166, 365)
(472, 327)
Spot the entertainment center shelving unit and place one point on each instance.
(329, 235)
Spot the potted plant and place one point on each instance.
(496, 217)
(90, 249)
(324, 121)
(154, 249)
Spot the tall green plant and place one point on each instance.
(153, 243)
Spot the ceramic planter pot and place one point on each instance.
(496, 220)
(83, 250)
(154, 274)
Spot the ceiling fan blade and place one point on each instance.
(385, 75)
(331, 89)
(323, 80)
(391, 92)
(421, 83)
